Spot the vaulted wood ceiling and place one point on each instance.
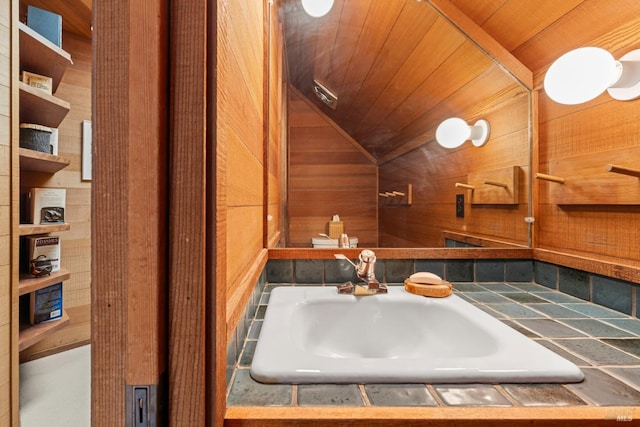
(398, 66)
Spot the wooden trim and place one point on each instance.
(237, 416)
(534, 164)
(14, 115)
(484, 41)
(606, 268)
(129, 201)
(237, 302)
(188, 258)
(266, 100)
(333, 124)
(405, 253)
(216, 240)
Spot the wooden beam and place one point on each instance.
(129, 200)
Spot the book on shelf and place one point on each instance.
(47, 24)
(43, 248)
(45, 304)
(47, 205)
(38, 81)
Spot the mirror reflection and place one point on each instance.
(368, 85)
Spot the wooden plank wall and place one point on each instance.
(8, 306)
(328, 175)
(572, 137)
(241, 149)
(601, 131)
(74, 88)
(277, 122)
(433, 172)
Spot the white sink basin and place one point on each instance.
(313, 335)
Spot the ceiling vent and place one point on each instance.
(325, 95)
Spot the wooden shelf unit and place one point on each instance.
(30, 284)
(35, 161)
(37, 106)
(29, 229)
(38, 55)
(31, 334)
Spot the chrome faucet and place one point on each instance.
(365, 270)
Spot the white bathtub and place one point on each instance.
(313, 335)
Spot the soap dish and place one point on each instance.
(444, 289)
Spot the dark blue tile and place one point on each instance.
(247, 353)
(574, 282)
(309, 271)
(488, 270)
(397, 270)
(248, 392)
(518, 270)
(604, 390)
(339, 271)
(435, 266)
(279, 271)
(612, 293)
(329, 395)
(546, 274)
(459, 270)
(399, 395)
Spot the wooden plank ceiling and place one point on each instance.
(396, 65)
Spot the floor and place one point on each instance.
(605, 344)
(55, 391)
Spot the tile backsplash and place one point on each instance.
(612, 293)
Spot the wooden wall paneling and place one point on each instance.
(433, 171)
(9, 214)
(403, 38)
(130, 144)
(327, 176)
(241, 104)
(582, 26)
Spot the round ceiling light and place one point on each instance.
(317, 8)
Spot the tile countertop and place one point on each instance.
(605, 344)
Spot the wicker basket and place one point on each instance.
(336, 228)
(35, 137)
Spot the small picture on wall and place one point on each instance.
(86, 150)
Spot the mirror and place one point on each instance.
(369, 83)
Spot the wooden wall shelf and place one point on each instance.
(37, 106)
(35, 161)
(38, 55)
(29, 229)
(604, 178)
(401, 196)
(495, 187)
(31, 334)
(29, 283)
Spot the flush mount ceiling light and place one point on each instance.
(317, 8)
(454, 132)
(583, 74)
